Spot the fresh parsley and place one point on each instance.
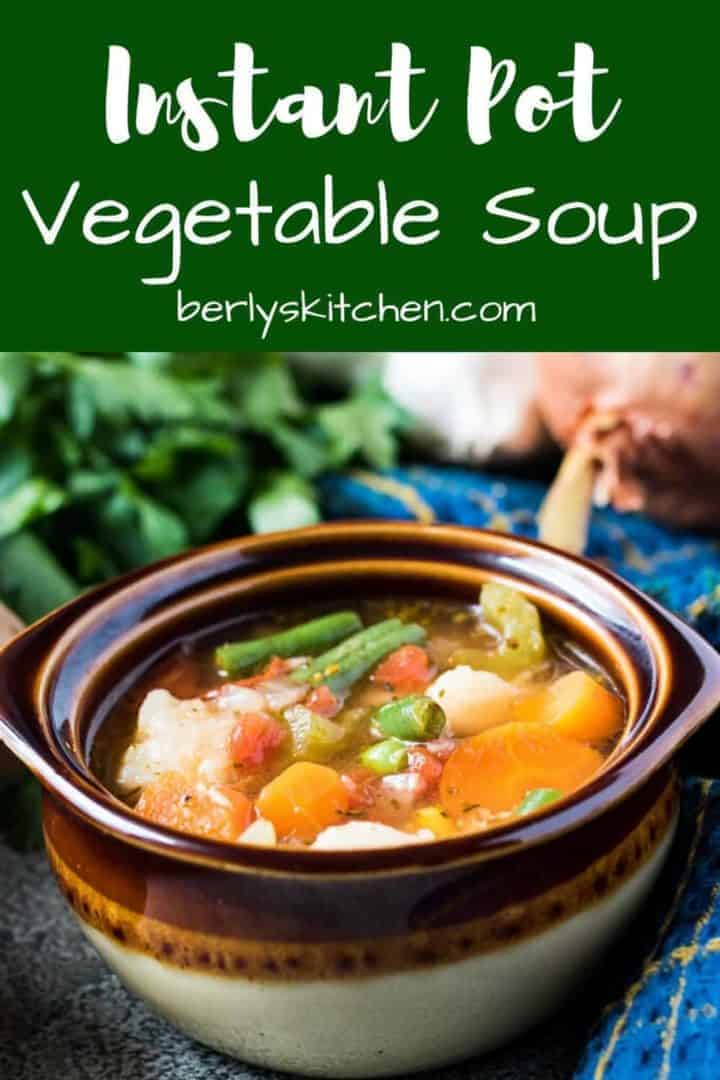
(111, 462)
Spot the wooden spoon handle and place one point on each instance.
(10, 624)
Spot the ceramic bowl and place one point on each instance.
(10, 625)
(354, 963)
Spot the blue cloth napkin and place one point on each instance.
(661, 1018)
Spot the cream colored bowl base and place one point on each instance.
(389, 1024)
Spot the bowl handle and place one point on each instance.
(10, 625)
(21, 659)
(22, 741)
(696, 679)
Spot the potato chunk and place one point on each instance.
(190, 737)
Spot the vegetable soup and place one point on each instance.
(397, 722)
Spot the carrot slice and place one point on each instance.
(303, 800)
(218, 811)
(495, 769)
(532, 707)
(575, 705)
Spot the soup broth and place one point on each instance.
(400, 721)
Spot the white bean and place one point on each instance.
(472, 700)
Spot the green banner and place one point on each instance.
(368, 177)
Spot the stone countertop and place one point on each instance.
(64, 1015)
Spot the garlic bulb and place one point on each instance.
(468, 407)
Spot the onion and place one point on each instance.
(642, 432)
(357, 835)
(260, 832)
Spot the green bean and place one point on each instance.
(416, 718)
(349, 669)
(235, 657)
(315, 669)
(384, 758)
(537, 799)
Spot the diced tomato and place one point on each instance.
(361, 786)
(426, 765)
(323, 702)
(254, 737)
(406, 670)
(277, 666)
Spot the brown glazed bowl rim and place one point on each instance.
(669, 673)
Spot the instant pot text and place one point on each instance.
(401, 100)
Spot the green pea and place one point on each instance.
(537, 799)
(415, 718)
(389, 756)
